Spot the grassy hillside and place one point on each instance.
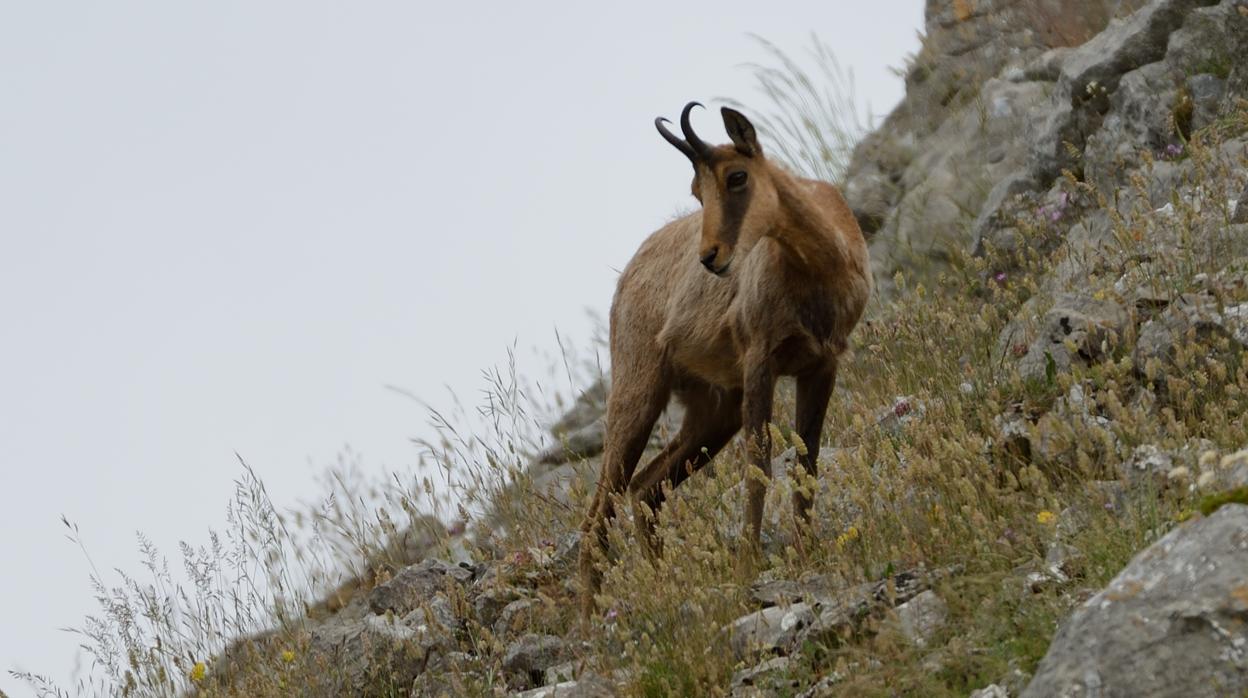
(1011, 477)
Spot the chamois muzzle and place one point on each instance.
(692, 146)
(708, 260)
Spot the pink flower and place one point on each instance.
(1172, 151)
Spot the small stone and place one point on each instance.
(489, 603)
(1061, 561)
(1147, 461)
(757, 675)
(990, 691)
(436, 619)
(768, 630)
(585, 687)
(1240, 214)
(416, 584)
(513, 616)
(560, 673)
(823, 687)
(810, 587)
(533, 654)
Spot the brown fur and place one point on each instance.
(791, 279)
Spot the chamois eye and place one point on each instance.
(736, 180)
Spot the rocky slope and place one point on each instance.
(1108, 139)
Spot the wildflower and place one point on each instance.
(288, 656)
(1046, 517)
(198, 671)
(1172, 151)
(612, 614)
(902, 408)
(849, 536)
(999, 277)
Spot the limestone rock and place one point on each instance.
(490, 602)
(1195, 313)
(824, 687)
(514, 616)
(764, 679)
(1123, 46)
(585, 687)
(1240, 214)
(772, 629)
(560, 673)
(533, 654)
(588, 408)
(922, 617)
(811, 588)
(1077, 328)
(416, 584)
(369, 656)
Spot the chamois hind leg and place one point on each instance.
(640, 390)
(814, 389)
(712, 418)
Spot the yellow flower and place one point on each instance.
(1046, 517)
(288, 656)
(197, 672)
(847, 537)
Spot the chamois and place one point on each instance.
(766, 280)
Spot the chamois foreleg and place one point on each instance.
(760, 383)
(814, 389)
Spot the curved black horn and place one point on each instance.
(701, 149)
(673, 139)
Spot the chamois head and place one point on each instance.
(733, 183)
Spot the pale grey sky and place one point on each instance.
(226, 226)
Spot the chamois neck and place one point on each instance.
(804, 229)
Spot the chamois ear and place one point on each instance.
(741, 131)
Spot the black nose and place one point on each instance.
(708, 260)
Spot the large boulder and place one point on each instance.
(1173, 623)
(961, 140)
